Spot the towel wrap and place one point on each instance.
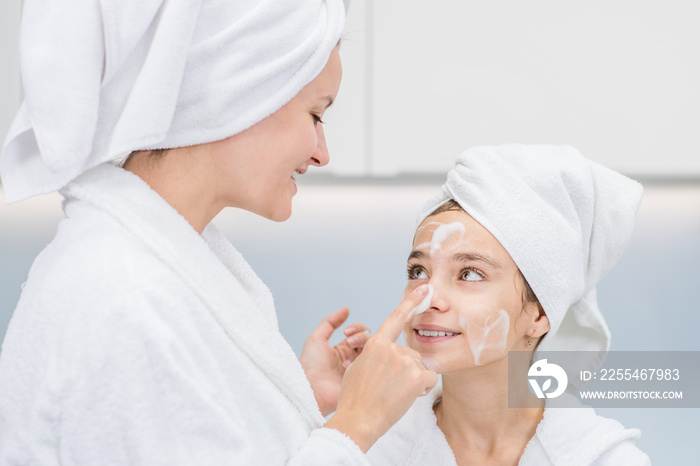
(104, 78)
(564, 219)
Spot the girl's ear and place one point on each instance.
(541, 323)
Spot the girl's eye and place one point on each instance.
(317, 119)
(417, 273)
(471, 275)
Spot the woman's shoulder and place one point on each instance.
(415, 439)
(579, 436)
(89, 276)
(92, 280)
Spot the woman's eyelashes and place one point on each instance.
(317, 119)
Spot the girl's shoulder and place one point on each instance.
(579, 436)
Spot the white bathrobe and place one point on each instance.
(138, 341)
(564, 437)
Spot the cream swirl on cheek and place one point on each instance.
(487, 333)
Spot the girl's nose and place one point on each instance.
(439, 303)
(321, 157)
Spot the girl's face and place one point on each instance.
(255, 169)
(476, 313)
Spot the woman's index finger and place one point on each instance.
(415, 303)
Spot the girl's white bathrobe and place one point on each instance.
(138, 341)
(564, 437)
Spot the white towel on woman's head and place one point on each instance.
(565, 220)
(105, 78)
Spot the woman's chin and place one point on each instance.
(281, 217)
(280, 213)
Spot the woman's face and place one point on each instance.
(477, 295)
(255, 169)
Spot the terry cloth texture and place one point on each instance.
(136, 341)
(564, 437)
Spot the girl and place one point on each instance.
(512, 249)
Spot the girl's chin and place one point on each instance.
(446, 366)
(435, 362)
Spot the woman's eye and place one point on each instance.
(469, 275)
(317, 119)
(417, 273)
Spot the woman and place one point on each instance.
(512, 249)
(142, 336)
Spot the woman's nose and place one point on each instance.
(321, 157)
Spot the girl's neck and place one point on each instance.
(475, 417)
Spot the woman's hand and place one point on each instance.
(384, 381)
(324, 364)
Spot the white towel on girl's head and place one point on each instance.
(105, 78)
(564, 220)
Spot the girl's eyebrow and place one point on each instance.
(461, 257)
(475, 257)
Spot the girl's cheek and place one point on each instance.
(487, 332)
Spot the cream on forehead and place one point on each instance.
(441, 233)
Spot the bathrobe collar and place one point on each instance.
(566, 436)
(577, 435)
(214, 270)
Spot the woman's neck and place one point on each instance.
(475, 417)
(183, 178)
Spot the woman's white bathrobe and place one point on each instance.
(564, 437)
(138, 341)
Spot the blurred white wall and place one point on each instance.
(425, 80)
(10, 87)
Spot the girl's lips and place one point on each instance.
(425, 339)
(429, 328)
(433, 328)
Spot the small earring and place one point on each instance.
(529, 343)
